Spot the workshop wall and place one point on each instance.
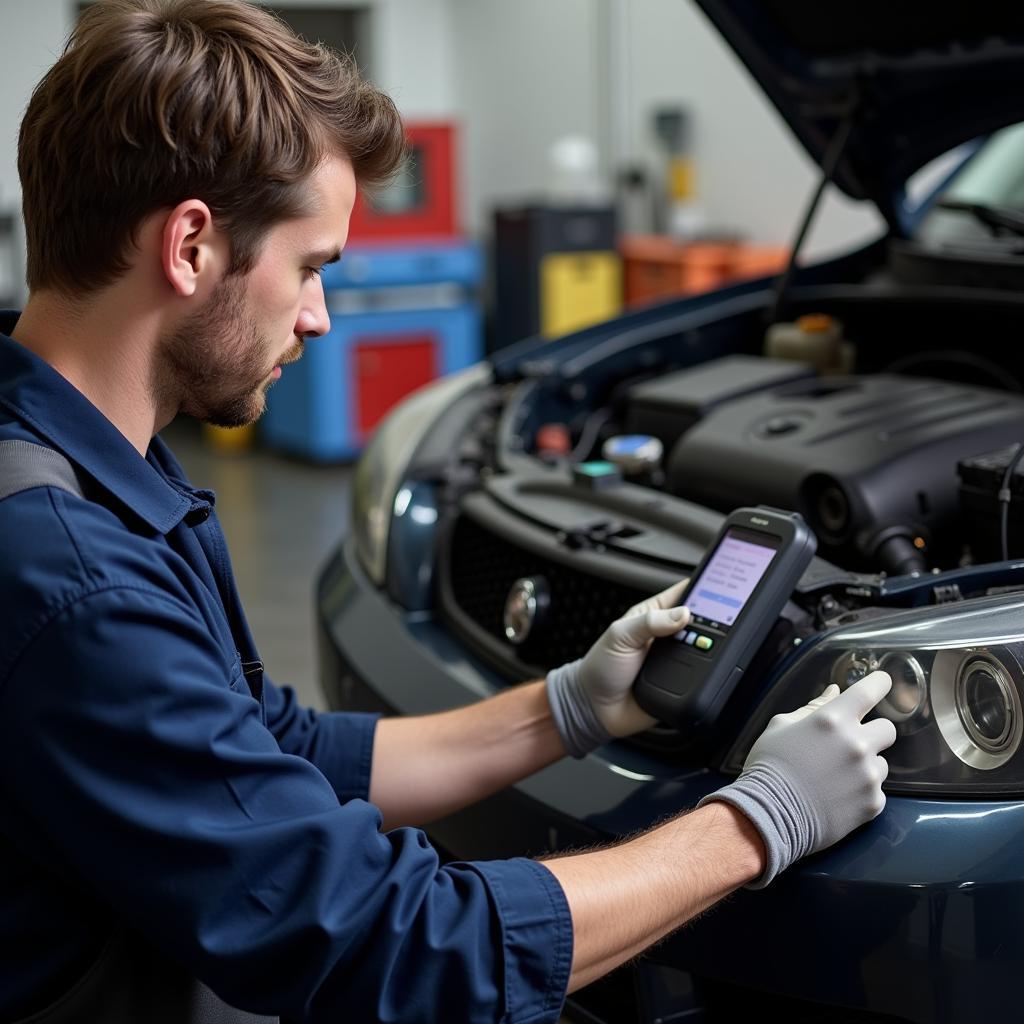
(517, 76)
(527, 73)
(35, 34)
(751, 172)
(530, 71)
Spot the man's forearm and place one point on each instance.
(429, 766)
(625, 898)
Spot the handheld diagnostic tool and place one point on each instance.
(735, 596)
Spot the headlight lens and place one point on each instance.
(978, 707)
(383, 465)
(958, 677)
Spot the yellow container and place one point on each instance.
(578, 289)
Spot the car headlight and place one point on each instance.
(384, 462)
(957, 680)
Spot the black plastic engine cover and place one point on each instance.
(862, 458)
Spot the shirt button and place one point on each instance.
(195, 516)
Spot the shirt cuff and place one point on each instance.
(345, 742)
(537, 938)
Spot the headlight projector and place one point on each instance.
(977, 706)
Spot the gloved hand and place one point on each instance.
(591, 699)
(814, 774)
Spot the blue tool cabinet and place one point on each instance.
(400, 316)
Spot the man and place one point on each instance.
(178, 836)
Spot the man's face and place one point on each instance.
(222, 359)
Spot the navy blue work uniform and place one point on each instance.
(152, 777)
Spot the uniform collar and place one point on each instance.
(33, 392)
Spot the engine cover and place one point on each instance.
(863, 458)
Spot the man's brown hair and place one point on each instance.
(156, 101)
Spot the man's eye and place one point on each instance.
(315, 271)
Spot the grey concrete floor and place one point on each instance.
(282, 519)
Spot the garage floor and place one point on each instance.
(282, 519)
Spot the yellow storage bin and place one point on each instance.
(578, 289)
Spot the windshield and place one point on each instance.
(993, 178)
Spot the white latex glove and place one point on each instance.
(593, 698)
(609, 669)
(815, 774)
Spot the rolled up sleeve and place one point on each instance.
(536, 937)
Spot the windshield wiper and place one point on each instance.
(1001, 220)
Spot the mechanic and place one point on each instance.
(180, 840)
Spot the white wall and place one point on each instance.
(413, 56)
(532, 70)
(526, 74)
(33, 34)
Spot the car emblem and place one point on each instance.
(525, 605)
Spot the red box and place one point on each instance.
(420, 202)
(386, 368)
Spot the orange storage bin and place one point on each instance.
(656, 267)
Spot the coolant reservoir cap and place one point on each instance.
(815, 323)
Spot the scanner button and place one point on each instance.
(704, 643)
(690, 637)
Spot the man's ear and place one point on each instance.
(192, 251)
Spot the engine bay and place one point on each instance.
(600, 470)
(890, 454)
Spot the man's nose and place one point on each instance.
(313, 321)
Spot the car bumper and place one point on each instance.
(916, 916)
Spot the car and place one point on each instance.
(879, 394)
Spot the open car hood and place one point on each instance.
(911, 81)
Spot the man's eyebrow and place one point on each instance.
(324, 256)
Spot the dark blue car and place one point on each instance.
(891, 423)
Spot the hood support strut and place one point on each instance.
(831, 159)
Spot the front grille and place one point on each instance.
(483, 568)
